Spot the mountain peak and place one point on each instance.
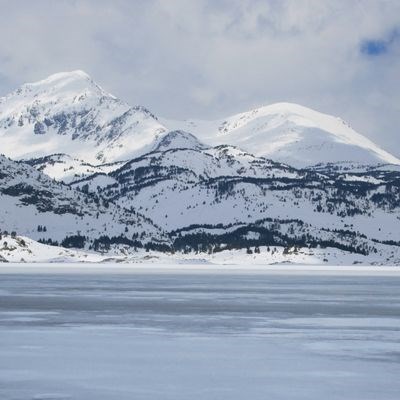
(316, 130)
(284, 107)
(283, 113)
(62, 77)
(178, 140)
(69, 112)
(71, 82)
(291, 134)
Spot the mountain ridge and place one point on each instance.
(270, 130)
(70, 113)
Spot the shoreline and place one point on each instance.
(162, 268)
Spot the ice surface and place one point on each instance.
(199, 335)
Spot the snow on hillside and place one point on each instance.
(23, 249)
(20, 249)
(178, 140)
(206, 162)
(69, 113)
(225, 197)
(277, 255)
(34, 205)
(291, 134)
(64, 168)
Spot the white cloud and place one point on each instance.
(211, 58)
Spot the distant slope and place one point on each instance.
(36, 206)
(291, 134)
(64, 168)
(223, 197)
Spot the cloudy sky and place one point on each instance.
(212, 58)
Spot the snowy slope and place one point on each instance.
(291, 134)
(178, 140)
(69, 113)
(64, 168)
(222, 195)
(23, 249)
(180, 162)
(36, 206)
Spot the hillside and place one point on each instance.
(228, 198)
(34, 205)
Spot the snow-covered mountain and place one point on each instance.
(291, 134)
(94, 172)
(69, 113)
(34, 205)
(225, 197)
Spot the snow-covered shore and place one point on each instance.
(20, 249)
(193, 268)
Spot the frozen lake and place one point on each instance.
(200, 335)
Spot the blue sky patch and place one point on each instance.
(376, 47)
